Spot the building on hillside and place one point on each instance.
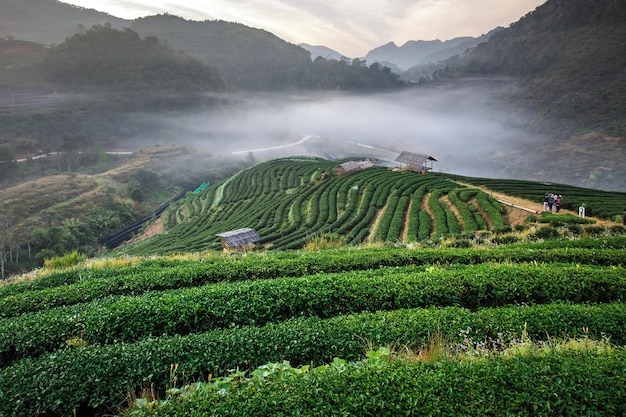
(239, 239)
(416, 162)
(352, 166)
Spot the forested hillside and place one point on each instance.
(69, 211)
(49, 21)
(120, 60)
(256, 59)
(570, 56)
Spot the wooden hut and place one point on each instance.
(416, 162)
(352, 166)
(239, 239)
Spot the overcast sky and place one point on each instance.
(351, 27)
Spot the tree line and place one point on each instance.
(120, 59)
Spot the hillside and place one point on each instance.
(292, 202)
(571, 54)
(120, 60)
(49, 22)
(441, 328)
(567, 59)
(66, 211)
(249, 57)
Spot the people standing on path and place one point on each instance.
(624, 218)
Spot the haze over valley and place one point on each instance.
(466, 128)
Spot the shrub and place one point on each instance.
(575, 229)
(547, 232)
(505, 239)
(65, 261)
(595, 230)
(618, 230)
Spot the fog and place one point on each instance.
(470, 128)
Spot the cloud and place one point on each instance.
(352, 28)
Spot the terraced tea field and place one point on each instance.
(292, 201)
(82, 341)
(364, 329)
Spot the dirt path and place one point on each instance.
(426, 207)
(404, 233)
(374, 227)
(455, 211)
(517, 209)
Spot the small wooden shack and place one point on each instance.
(239, 239)
(352, 166)
(416, 162)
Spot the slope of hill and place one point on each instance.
(49, 21)
(294, 201)
(570, 54)
(66, 211)
(568, 60)
(119, 60)
(85, 340)
(249, 57)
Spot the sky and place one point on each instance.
(350, 27)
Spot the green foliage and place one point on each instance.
(379, 385)
(120, 60)
(598, 203)
(65, 261)
(547, 232)
(93, 377)
(80, 286)
(205, 308)
(557, 220)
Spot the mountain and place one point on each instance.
(119, 60)
(572, 55)
(321, 50)
(249, 57)
(49, 21)
(568, 60)
(420, 52)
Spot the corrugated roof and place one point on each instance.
(240, 237)
(412, 158)
(356, 165)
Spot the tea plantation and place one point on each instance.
(293, 201)
(535, 327)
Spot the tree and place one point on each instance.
(8, 166)
(72, 145)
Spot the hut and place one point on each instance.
(352, 166)
(239, 239)
(416, 162)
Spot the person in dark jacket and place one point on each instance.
(624, 218)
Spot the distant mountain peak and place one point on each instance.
(321, 50)
(421, 52)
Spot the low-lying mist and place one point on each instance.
(469, 128)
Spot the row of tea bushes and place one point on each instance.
(198, 309)
(92, 379)
(93, 284)
(574, 378)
